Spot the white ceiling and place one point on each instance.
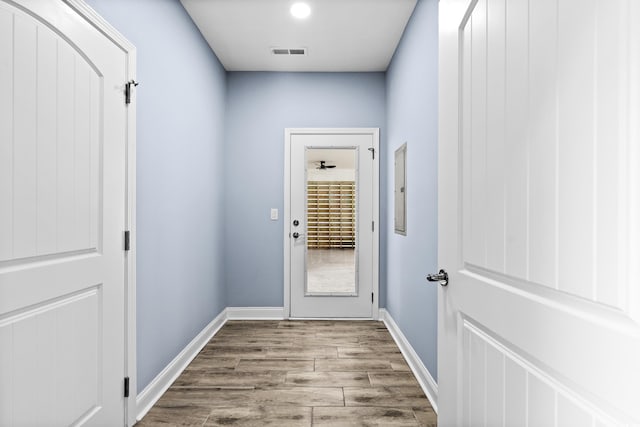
(340, 35)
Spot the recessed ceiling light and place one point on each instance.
(300, 10)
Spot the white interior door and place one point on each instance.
(539, 200)
(62, 216)
(331, 239)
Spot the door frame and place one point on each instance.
(375, 134)
(100, 24)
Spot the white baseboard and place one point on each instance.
(428, 384)
(151, 393)
(255, 313)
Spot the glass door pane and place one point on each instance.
(331, 210)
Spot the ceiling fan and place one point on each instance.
(324, 165)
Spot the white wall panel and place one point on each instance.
(515, 386)
(46, 367)
(82, 155)
(50, 180)
(610, 109)
(505, 388)
(61, 331)
(24, 153)
(466, 178)
(576, 56)
(66, 148)
(544, 135)
(50, 353)
(549, 159)
(46, 129)
(6, 132)
(495, 207)
(6, 373)
(543, 142)
(476, 380)
(571, 415)
(541, 411)
(477, 250)
(516, 163)
(25, 360)
(495, 389)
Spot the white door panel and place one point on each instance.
(538, 207)
(62, 216)
(302, 145)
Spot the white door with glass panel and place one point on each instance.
(331, 239)
(539, 213)
(63, 127)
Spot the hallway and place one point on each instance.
(296, 373)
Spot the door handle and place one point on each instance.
(442, 277)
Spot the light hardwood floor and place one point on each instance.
(296, 373)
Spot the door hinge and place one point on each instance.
(127, 91)
(127, 240)
(126, 386)
(373, 152)
(371, 297)
(373, 225)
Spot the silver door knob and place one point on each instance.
(442, 277)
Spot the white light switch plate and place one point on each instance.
(274, 214)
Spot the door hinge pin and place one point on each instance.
(127, 91)
(373, 152)
(126, 386)
(371, 297)
(373, 225)
(127, 240)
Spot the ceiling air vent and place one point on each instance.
(282, 51)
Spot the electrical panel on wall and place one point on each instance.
(400, 190)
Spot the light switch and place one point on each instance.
(274, 214)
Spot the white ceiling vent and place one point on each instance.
(300, 51)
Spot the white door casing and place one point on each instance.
(66, 197)
(539, 200)
(298, 304)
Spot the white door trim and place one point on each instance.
(375, 133)
(97, 21)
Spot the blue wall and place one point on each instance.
(210, 167)
(259, 107)
(180, 121)
(412, 117)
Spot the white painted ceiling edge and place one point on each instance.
(339, 35)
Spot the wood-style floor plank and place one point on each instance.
(364, 416)
(259, 416)
(409, 396)
(262, 365)
(296, 373)
(328, 379)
